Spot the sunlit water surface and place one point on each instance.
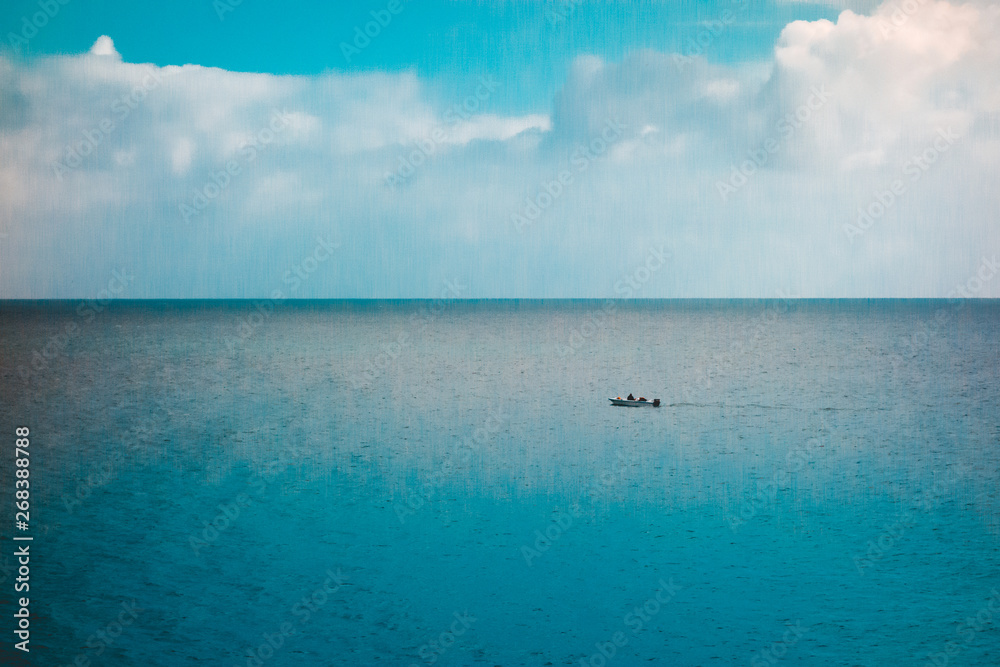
(333, 483)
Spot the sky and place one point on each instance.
(554, 149)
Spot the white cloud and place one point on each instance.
(104, 47)
(890, 80)
(491, 127)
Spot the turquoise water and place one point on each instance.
(416, 483)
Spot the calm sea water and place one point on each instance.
(331, 483)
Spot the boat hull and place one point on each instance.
(625, 403)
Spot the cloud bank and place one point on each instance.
(860, 161)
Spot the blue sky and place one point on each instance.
(828, 149)
(444, 41)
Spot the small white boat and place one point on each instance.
(624, 402)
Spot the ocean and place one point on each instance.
(248, 483)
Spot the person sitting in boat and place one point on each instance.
(642, 399)
(631, 397)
